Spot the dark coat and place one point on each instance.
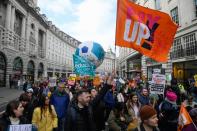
(109, 99)
(141, 128)
(170, 114)
(5, 122)
(189, 127)
(98, 106)
(79, 119)
(144, 100)
(85, 119)
(29, 108)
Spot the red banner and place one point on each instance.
(148, 31)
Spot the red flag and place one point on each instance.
(184, 118)
(148, 31)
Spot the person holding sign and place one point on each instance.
(12, 116)
(44, 116)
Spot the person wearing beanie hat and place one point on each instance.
(169, 112)
(149, 119)
(171, 97)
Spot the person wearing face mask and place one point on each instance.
(13, 115)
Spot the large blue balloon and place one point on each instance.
(91, 51)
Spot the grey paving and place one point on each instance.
(6, 95)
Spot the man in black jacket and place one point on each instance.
(80, 115)
(98, 110)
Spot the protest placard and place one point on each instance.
(52, 81)
(195, 78)
(23, 127)
(158, 84)
(96, 81)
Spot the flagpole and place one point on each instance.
(115, 36)
(194, 124)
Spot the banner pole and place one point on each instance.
(115, 36)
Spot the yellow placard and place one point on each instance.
(96, 81)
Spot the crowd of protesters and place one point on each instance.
(107, 107)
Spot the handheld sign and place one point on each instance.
(24, 127)
(158, 84)
(52, 81)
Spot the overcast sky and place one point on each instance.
(85, 20)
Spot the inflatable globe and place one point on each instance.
(91, 51)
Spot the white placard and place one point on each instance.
(24, 127)
(156, 71)
(158, 84)
(52, 81)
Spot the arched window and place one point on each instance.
(30, 70)
(40, 70)
(2, 70)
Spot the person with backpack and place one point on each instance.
(169, 112)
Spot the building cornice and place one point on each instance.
(133, 53)
(33, 10)
(28, 5)
(186, 28)
(63, 38)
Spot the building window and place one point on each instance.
(157, 4)
(174, 15)
(195, 7)
(18, 24)
(190, 44)
(2, 70)
(177, 49)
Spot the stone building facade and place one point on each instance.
(24, 38)
(108, 64)
(60, 50)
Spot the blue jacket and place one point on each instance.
(144, 100)
(109, 99)
(60, 101)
